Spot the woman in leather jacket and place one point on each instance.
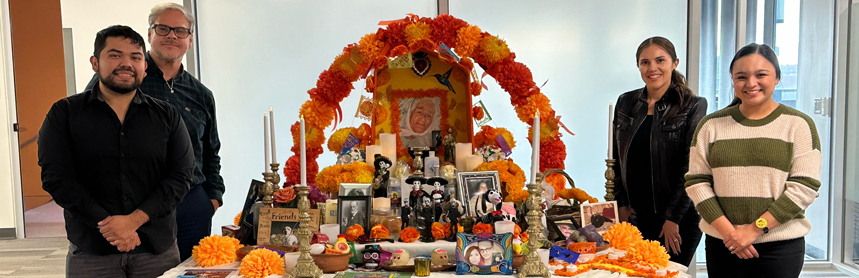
(653, 129)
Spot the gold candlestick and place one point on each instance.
(609, 180)
(533, 266)
(267, 189)
(305, 267)
(275, 181)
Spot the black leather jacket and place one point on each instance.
(669, 146)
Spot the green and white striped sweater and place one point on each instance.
(741, 168)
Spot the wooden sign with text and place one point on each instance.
(277, 226)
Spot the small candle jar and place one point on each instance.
(467, 223)
(422, 267)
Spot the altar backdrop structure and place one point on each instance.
(265, 54)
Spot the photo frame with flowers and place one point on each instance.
(484, 253)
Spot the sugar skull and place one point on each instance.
(400, 257)
(372, 256)
(439, 257)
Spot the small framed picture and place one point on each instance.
(601, 215)
(356, 189)
(560, 227)
(484, 253)
(278, 226)
(353, 210)
(472, 185)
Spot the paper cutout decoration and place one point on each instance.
(402, 62)
(351, 142)
(443, 49)
(365, 108)
(486, 116)
(563, 254)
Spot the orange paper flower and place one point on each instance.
(238, 219)
(438, 231)
(493, 50)
(481, 228)
(477, 112)
(379, 232)
(381, 114)
(468, 40)
(487, 134)
(444, 29)
(475, 88)
(447, 229)
(316, 113)
(330, 178)
(335, 142)
(370, 46)
(417, 30)
(292, 170)
(284, 195)
(409, 235)
(622, 235)
(649, 253)
(353, 232)
(215, 250)
(400, 50)
(261, 263)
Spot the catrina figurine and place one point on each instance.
(437, 195)
(380, 182)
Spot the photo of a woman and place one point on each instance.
(418, 118)
(473, 256)
(653, 127)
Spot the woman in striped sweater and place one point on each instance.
(754, 168)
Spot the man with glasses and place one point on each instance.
(171, 35)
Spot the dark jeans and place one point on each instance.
(132, 265)
(781, 259)
(690, 234)
(193, 220)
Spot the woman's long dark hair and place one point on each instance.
(684, 94)
(753, 48)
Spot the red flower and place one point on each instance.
(331, 88)
(552, 154)
(394, 35)
(444, 29)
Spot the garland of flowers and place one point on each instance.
(603, 262)
(362, 132)
(511, 174)
(330, 178)
(413, 33)
(487, 134)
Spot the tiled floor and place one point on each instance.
(33, 258)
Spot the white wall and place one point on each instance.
(87, 17)
(268, 54)
(7, 146)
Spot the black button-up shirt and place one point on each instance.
(94, 167)
(197, 105)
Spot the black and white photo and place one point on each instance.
(355, 189)
(353, 210)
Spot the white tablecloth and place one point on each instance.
(421, 247)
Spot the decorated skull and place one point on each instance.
(439, 257)
(372, 256)
(400, 257)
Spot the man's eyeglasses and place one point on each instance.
(163, 30)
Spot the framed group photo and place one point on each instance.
(353, 210)
(560, 227)
(601, 215)
(473, 184)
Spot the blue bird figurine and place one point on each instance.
(445, 79)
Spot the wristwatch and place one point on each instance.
(762, 224)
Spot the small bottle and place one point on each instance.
(431, 164)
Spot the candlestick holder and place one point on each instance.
(275, 179)
(533, 266)
(609, 180)
(418, 161)
(267, 190)
(305, 267)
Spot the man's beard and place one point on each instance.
(162, 56)
(120, 88)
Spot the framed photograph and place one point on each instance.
(484, 253)
(601, 215)
(356, 189)
(561, 227)
(473, 184)
(246, 235)
(353, 210)
(277, 226)
(419, 116)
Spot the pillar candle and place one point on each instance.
(535, 148)
(389, 145)
(463, 150)
(273, 141)
(303, 146)
(502, 227)
(472, 161)
(372, 150)
(266, 142)
(610, 133)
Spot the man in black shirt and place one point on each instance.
(170, 34)
(118, 162)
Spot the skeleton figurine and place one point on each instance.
(454, 213)
(411, 209)
(425, 219)
(437, 195)
(380, 182)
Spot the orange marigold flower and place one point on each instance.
(353, 232)
(292, 170)
(394, 34)
(422, 43)
(400, 50)
(622, 235)
(468, 40)
(477, 113)
(370, 84)
(444, 29)
(417, 30)
(515, 78)
(370, 46)
(524, 237)
(534, 103)
(261, 263)
(379, 232)
(345, 66)
(649, 253)
(493, 49)
(552, 154)
(313, 135)
(438, 230)
(316, 113)
(215, 250)
(380, 62)
(447, 229)
(409, 235)
(332, 87)
(380, 114)
(482, 228)
(338, 138)
(467, 63)
(510, 173)
(238, 219)
(558, 182)
(487, 134)
(475, 88)
(329, 179)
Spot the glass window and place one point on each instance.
(851, 158)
